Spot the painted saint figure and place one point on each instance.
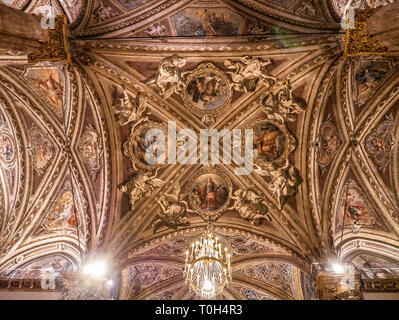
(207, 91)
(6, 148)
(367, 79)
(63, 214)
(209, 21)
(51, 88)
(90, 151)
(270, 143)
(141, 146)
(267, 143)
(209, 194)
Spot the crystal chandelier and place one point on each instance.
(208, 266)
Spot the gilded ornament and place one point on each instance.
(56, 49)
(358, 42)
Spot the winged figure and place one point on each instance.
(283, 180)
(169, 79)
(172, 210)
(249, 72)
(250, 206)
(283, 106)
(131, 110)
(142, 185)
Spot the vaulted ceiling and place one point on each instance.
(329, 186)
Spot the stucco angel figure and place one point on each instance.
(250, 206)
(377, 3)
(169, 79)
(103, 12)
(283, 106)
(307, 8)
(142, 185)
(248, 73)
(172, 210)
(156, 30)
(131, 110)
(283, 180)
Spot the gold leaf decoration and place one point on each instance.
(358, 41)
(56, 49)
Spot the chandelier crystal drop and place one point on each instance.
(208, 266)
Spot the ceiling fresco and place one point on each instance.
(73, 9)
(55, 263)
(325, 180)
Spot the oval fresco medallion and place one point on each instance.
(7, 148)
(209, 192)
(327, 144)
(379, 143)
(42, 149)
(208, 89)
(137, 145)
(271, 142)
(90, 151)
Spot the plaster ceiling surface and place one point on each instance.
(326, 161)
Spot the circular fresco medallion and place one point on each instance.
(271, 142)
(207, 89)
(7, 149)
(137, 145)
(210, 192)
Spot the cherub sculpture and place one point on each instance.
(283, 180)
(250, 206)
(142, 185)
(169, 79)
(283, 106)
(248, 73)
(172, 210)
(131, 110)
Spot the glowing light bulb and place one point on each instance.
(95, 269)
(109, 283)
(338, 268)
(87, 269)
(208, 290)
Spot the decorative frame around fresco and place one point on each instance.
(128, 145)
(289, 138)
(201, 70)
(216, 214)
(63, 80)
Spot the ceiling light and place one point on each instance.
(110, 283)
(96, 269)
(208, 266)
(338, 268)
